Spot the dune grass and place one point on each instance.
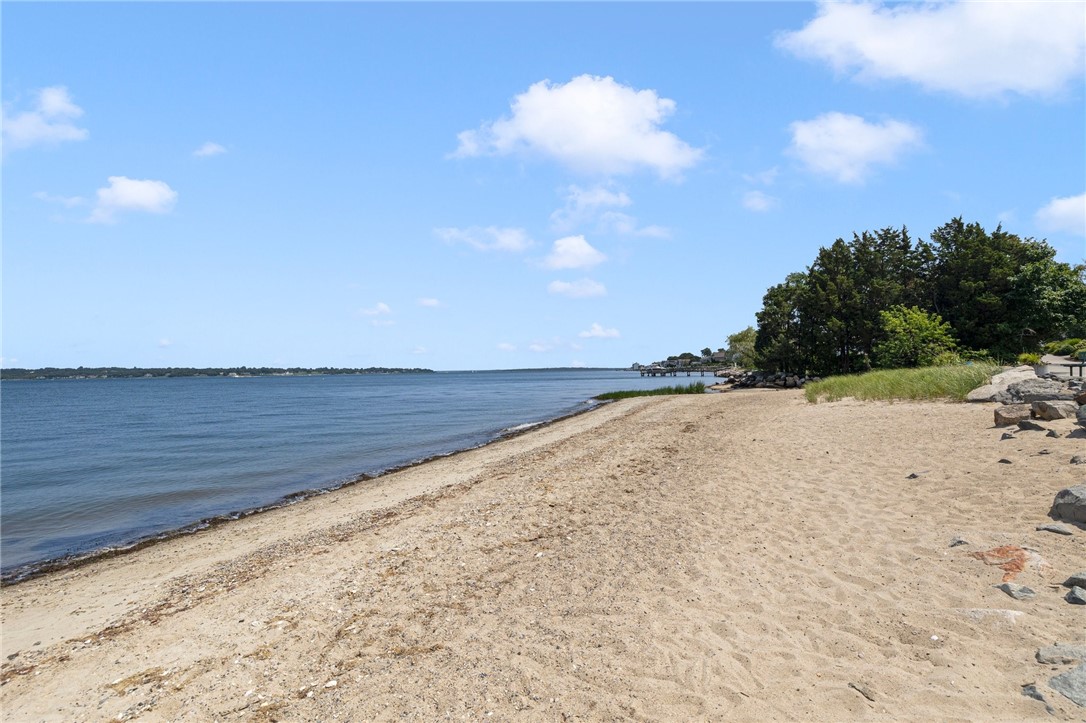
(945, 382)
(696, 388)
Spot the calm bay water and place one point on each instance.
(93, 463)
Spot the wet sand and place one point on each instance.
(741, 556)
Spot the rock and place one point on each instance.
(1070, 504)
(1079, 459)
(1006, 435)
(1057, 527)
(1077, 596)
(1044, 451)
(1018, 592)
(1005, 461)
(1012, 414)
(1076, 580)
(999, 383)
(1080, 416)
(1054, 410)
(1080, 398)
(1034, 390)
(1072, 684)
(1027, 426)
(1030, 691)
(916, 475)
(1053, 433)
(958, 541)
(978, 614)
(1061, 654)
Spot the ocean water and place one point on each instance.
(91, 464)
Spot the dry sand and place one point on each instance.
(742, 556)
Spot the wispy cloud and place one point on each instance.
(762, 178)
(846, 147)
(210, 148)
(596, 331)
(429, 303)
(597, 206)
(759, 202)
(487, 238)
(165, 343)
(506, 346)
(49, 123)
(378, 309)
(573, 252)
(581, 289)
(125, 194)
(66, 201)
(1066, 213)
(967, 48)
(591, 124)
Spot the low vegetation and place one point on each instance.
(695, 388)
(937, 382)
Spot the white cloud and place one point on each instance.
(1066, 213)
(759, 202)
(48, 124)
(379, 309)
(490, 238)
(583, 205)
(506, 346)
(165, 343)
(582, 289)
(539, 347)
(420, 350)
(66, 201)
(130, 194)
(975, 49)
(209, 148)
(598, 332)
(762, 178)
(591, 124)
(573, 252)
(429, 303)
(845, 147)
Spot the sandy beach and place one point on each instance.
(739, 556)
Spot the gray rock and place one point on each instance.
(1006, 435)
(1030, 691)
(1010, 414)
(1018, 592)
(1035, 390)
(1079, 459)
(1072, 684)
(958, 541)
(1053, 433)
(1077, 596)
(1005, 461)
(1061, 654)
(1070, 504)
(999, 383)
(1027, 426)
(1076, 580)
(1049, 410)
(1080, 416)
(1057, 527)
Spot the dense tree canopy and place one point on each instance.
(999, 293)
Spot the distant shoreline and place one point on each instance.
(19, 374)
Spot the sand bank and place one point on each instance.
(741, 556)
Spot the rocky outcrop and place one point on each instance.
(1035, 390)
(1059, 409)
(999, 384)
(1012, 414)
(766, 380)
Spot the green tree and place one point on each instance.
(1049, 300)
(741, 348)
(911, 337)
(776, 343)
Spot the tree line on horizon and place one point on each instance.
(885, 300)
(128, 373)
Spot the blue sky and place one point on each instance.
(473, 186)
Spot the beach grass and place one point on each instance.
(943, 382)
(695, 388)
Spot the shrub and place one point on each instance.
(1063, 347)
(1029, 358)
(947, 382)
(696, 388)
(912, 337)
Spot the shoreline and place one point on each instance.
(742, 556)
(31, 570)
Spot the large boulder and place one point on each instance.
(1070, 504)
(999, 384)
(1080, 416)
(1059, 409)
(1012, 414)
(1035, 390)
